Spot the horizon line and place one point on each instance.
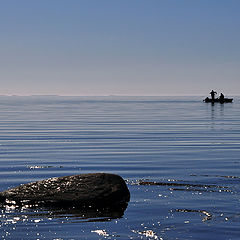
(106, 95)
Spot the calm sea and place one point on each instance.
(187, 149)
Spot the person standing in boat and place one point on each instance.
(213, 94)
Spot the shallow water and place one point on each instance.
(179, 156)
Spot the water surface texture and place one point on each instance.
(179, 156)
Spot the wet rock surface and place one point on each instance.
(95, 189)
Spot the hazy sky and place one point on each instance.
(125, 47)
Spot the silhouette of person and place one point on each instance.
(213, 94)
(221, 98)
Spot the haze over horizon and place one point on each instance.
(137, 47)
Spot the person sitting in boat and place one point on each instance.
(213, 94)
(221, 98)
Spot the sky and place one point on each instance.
(119, 47)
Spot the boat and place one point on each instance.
(224, 100)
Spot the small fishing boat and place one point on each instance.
(224, 100)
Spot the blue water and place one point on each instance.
(190, 148)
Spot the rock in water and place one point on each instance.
(94, 189)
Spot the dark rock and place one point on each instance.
(96, 189)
